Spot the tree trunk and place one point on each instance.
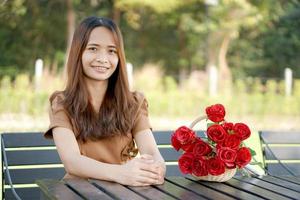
(225, 77)
(212, 46)
(211, 52)
(183, 64)
(116, 15)
(70, 30)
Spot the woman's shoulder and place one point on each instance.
(141, 101)
(139, 97)
(141, 120)
(56, 100)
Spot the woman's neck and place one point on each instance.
(97, 90)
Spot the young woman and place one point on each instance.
(96, 121)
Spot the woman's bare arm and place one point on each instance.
(147, 146)
(137, 172)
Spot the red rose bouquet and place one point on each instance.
(216, 157)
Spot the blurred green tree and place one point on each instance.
(262, 37)
(31, 30)
(272, 45)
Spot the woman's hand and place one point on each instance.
(162, 172)
(161, 169)
(141, 171)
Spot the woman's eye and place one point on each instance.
(112, 51)
(92, 49)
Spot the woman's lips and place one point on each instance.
(100, 68)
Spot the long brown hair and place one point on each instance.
(118, 108)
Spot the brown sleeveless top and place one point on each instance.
(114, 150)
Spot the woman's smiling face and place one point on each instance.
(100, 57)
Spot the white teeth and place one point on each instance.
(100, 68)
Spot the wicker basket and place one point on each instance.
(228, 174)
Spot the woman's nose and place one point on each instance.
(102, 57)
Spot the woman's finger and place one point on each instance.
(147, 180)
(140, 184)
(148, 174)
(149, 167)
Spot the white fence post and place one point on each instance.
(288, 78)
(38, 73)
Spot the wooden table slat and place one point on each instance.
(87, 190)
(255, 190)
(57, 190)
(116, 190)
(293, 179)
(150, 192)
(226, 189)
(281, 182)
(178, 192)
(199, 189)
(270, 186)
(187, 188)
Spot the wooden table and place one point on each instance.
(265, 187)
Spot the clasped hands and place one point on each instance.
(143, 171)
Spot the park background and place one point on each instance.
(185, 55)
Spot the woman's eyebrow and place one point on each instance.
(92, 44)
(95, 44)
(112, 46)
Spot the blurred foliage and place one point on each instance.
(264, 35)
(24, 97)
(30, 30)
(254, 96)
(271, 47)
(172, 38)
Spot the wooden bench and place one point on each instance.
(281, 150)
(31, 157)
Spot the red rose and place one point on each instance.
(199, 167)
(242, 130)
(188, 147)
(175, 143)
(215, 113)
(215, 166)
(231, 141)
(243, 157)
(228, 126)
(185, 135)
(223, 150)
(185, 163)
(201, 148)
(216, 133)
(230, 165)
(226, 154)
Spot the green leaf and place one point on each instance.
(210, 124)
(253, 153)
